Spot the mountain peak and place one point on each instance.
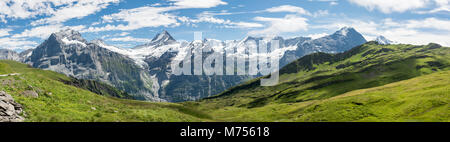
(163, 37)
(160, 39)
(68, 34)
(383, 40)
(345, 30)
(347, 33)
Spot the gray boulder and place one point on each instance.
(9, 109)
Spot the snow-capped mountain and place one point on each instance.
(145, 70)
(383, 40)
(68, 53)
(340, 41)
(6, 54)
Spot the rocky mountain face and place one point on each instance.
(145, 70)
(68, 53)
(10, 111)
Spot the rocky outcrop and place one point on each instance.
(97, 87)
(10, 111)
(30, 93)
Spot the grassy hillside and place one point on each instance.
(58, 101)
(312, 87)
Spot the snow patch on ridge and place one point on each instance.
(383, 40)
(68, 42)
(140, 54)
(114, 49)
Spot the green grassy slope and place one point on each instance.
(424, 98)
(319, 77)
(58, 101)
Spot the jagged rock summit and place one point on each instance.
(163, 38)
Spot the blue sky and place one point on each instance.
(25, 24)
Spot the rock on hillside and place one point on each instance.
(9, 109)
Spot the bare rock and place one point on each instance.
(9, 109)
(29, 93)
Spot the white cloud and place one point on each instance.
(320, 13)
(22, 9)
(129, 39)
(149, 16)
(432, 23)
(295, 9)
(389, 6)
(316, 36)
(333, 3)
(58, 10)
(288, 8)
(441, 6)
(16, 43)
(276, 26)
(205, 17)
(4, 32)
(156, 4)
(198, 3)
(246, 25)
(124, 33)
(79, 9)
(137, 18)
(44, 32)
(2, 19)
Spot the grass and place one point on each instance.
(427, 101)
(60, 102)
(317, 78)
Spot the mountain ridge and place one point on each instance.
(145, 70)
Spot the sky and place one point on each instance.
(24, 24)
